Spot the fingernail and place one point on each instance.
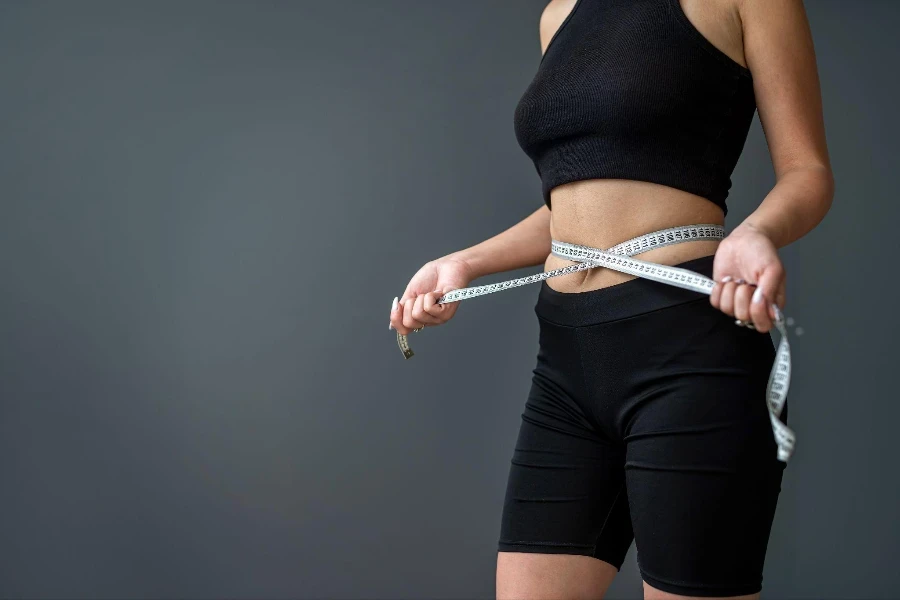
(394, 303)
(726, 279)
(390, 325)
(757, 296)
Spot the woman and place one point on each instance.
(646, 420)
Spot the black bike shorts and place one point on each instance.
(647, 421)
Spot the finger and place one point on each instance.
(772, 280)
(407, 294)
(726, 301)
(715, 294)
(419, 313)
(408, 320)
(397, 319)
(759, 311)
(780, 300)
(742, 302)
(402, 314)
(391, 315)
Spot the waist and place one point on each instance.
(616, 302)
(603, 212)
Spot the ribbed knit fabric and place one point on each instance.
(630, 89)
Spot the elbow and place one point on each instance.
(826, 183)
(818, 185)
(827, 178)
(820, 192)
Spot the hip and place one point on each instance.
(647, 344)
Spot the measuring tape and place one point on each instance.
(619, 258)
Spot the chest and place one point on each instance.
(625, 67)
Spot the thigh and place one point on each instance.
(565, 494)
(701, 468)
(565, 526)
(535, 576)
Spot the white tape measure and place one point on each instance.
(619, 259)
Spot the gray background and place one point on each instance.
(206, 210)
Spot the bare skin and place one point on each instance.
(772, 39)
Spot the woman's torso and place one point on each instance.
(604, 212)
(601, 213)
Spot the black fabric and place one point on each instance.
(647, 421)
(630, 89)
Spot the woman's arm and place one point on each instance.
(525, 244)
(778, 48)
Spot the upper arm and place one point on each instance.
(778, 48)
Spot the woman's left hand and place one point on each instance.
(749, 277)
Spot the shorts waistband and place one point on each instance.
(619, 301)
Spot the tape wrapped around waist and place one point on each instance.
(620, 258)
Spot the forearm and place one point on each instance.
(796, 204)
(525, 244)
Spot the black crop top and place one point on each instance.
(630, 89)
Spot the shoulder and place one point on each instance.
(719, 21)
(552, 17)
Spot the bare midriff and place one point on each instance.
(603, 212)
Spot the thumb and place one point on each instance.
(448, 307)
(781, 296)
(446, 289)
(409, 292)
(441, 292)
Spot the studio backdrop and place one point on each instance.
(207, 208)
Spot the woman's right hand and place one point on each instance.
(417, 306)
